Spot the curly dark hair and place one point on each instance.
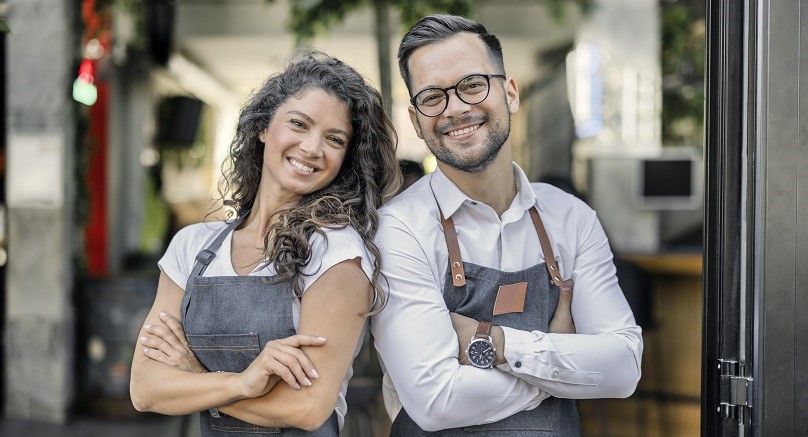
(368, 177)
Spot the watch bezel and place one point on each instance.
(490, 344)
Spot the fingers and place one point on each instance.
(157, 355)
(175, 326)
(565, 298)
(173, 352)
(159, 350)
(562, 322)
(298, 340)
(290, 363)
(167, 336)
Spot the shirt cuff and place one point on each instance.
(519, 346)
(532, 356)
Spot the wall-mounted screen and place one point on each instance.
(670, 181)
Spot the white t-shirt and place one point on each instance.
(342, 244)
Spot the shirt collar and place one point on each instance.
(450, 197)
(525, 197)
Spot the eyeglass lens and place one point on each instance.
(471, 90)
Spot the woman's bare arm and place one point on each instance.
(332, 307)
(162, 387)
(158, 387)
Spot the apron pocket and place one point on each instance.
(496, 428)
(226, 423)
(225, 352)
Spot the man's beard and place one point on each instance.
(491, 147)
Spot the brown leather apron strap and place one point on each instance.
(549, 257)
(455, 260)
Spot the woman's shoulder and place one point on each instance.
(334, 246)
(200, 231)
(195, 237)
(337, 238)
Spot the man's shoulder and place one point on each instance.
(412, 209)
(552, 198)
(413, 201)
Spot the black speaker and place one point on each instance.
(160, 29)
(178, 121)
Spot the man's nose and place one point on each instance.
(454, 104)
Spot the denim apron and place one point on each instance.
(227, 320)
(471, 290)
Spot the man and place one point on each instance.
(466, 338)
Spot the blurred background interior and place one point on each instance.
(119, 113)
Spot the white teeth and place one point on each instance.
(302, 166)
(455, 133)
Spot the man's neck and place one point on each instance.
(495, 186)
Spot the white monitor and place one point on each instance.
(671, 180)
(644, 198)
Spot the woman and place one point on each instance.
(283, 291)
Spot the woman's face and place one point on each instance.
(304, 144)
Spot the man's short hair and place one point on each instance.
(439, 27)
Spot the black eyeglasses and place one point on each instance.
(472, 89)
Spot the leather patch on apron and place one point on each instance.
(510, 298)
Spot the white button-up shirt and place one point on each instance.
(414, 336)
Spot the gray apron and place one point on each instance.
(227, 320)
(471, 290)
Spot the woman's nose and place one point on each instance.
(312, 147)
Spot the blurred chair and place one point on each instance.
(363, 388)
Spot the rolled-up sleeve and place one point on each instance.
(602, 360)
(418, 346)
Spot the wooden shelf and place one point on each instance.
(679, 264)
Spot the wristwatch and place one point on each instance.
(480, 350)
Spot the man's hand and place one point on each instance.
(562, 322)
(465, 327)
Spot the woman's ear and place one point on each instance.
(262, 136)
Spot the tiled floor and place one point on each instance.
(150, 426)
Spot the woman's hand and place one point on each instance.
(170, 346)
(284, 359)
(562, 322)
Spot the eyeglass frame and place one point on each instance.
(458, 95)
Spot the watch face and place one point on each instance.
(481, 353)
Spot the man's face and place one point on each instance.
(466, 137)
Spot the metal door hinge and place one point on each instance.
(736, 392)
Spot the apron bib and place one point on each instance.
(471, 290)
(227, 320)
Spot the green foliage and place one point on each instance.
(557, 8)
(414, 10)
(683, 45)
(309, 18)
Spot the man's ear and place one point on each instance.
(414, 120)
(512, 95)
